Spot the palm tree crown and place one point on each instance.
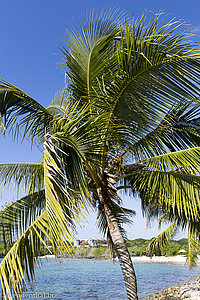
(128, 120)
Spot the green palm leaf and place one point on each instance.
(169, 182)
(28, 177)
(18, 110)
(152, 76)
(19, 262)
(85, 53)
(176, 131)
(61, 104)
(186, 160)
(163, 239)
(193, 244)
(17, 216)
(64, 205)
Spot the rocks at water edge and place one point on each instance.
(189, 291)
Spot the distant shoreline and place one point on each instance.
(77, 257)
(179, 259)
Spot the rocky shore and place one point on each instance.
(189, 291)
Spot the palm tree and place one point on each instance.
(128, 120)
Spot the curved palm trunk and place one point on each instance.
(121, 249)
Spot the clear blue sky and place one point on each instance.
(29, 57)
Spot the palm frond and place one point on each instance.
(89, 49)
(85, 132)
(193, 243)
(17, 216)
(17, 267)
(20, 112)
(26, 177)
(169, 182)
(186, 160)
(163, 239)
(177, 131)
(151, 76)
(183, 221)
(162, 191)
(65, 205)
(60, 104)
(26, 223)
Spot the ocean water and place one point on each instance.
(79, 279)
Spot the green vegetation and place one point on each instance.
(92, 252)
(137, 247)
(140, 247)
(127, 120)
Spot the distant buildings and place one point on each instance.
(90, 242)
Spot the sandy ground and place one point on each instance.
(179, 259)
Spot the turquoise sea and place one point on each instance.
(79, 279)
